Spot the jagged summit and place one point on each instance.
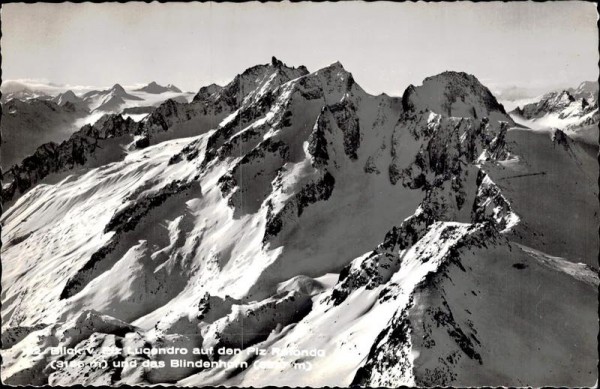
(275, 65)
(253, 82)
(287, 204)
(269, 76)
(561, 99)
(280, 64)
(276, 62)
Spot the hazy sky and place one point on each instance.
(385, 45)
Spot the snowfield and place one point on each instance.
(380, 241)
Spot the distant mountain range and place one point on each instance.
(36, 116)
(108, 100)
(423, 240)
(27, 124)
(153, 87)
(574, 110)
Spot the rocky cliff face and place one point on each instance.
(303, 214)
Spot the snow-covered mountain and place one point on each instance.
(412, 240)
(68, 97)
(34, 117)
(154, 88)
(113, 100)
(109, 100)
(574, 110)
(116, 99)
(586, 90)
(13, 89)
(25, 94)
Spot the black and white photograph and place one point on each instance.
(300, 194)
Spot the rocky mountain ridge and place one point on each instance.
(298, 210)
(30, 119)
(574, 110)
(28, 124)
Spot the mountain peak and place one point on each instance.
(67, 97)
(587, 90)
(453, 76)
(588, 85)
(558, 99)
(206, 91)
(117, 88)
(319, 207)
(275, 62)
(336, 67)
(337, 64)
(155, 88)
(569, 105)
(565, 95)
(69, 93)
(456, 94)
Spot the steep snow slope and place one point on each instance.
(106, 139)
(212, 190)
(489, 317)
(96, 193)
(293, 211)
(92, 146)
